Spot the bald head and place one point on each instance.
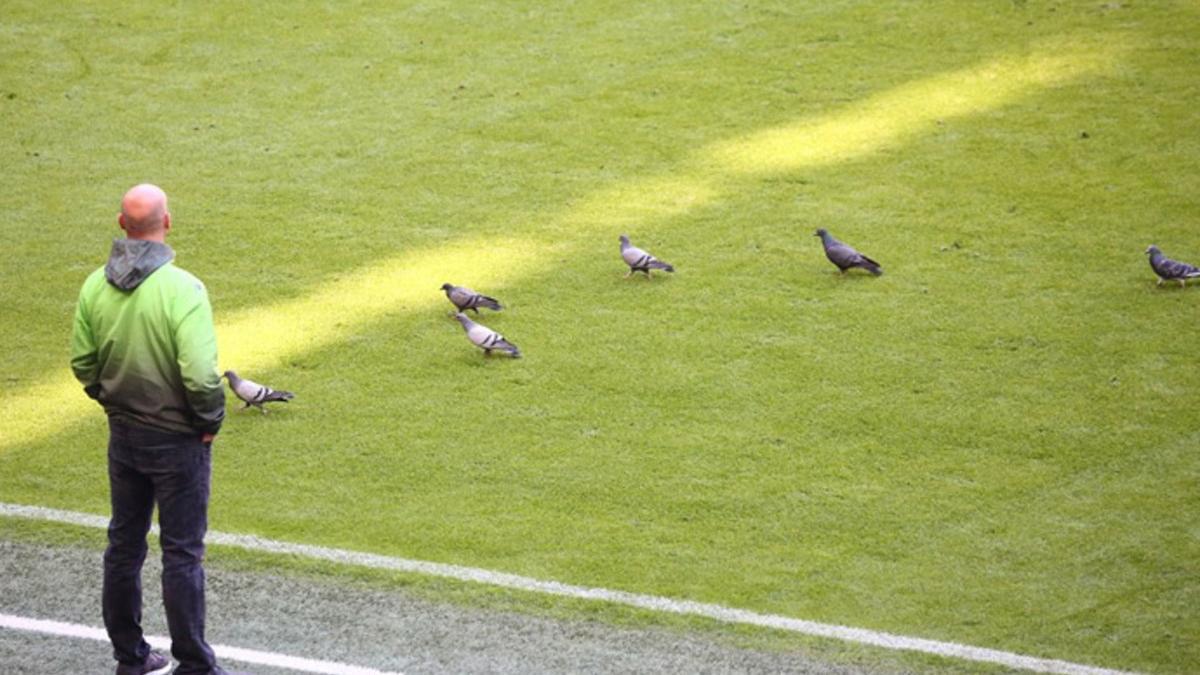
(144, 213)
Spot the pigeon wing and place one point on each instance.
(497, 341)
(635, 257)
(277, 395)
(461, 296)
(486, 338)
(842, 255)
(1175, 269)
(249, 391)
(480, 335)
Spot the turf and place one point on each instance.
(993, 443)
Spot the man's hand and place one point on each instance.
(207, 438)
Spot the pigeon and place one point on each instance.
(253, 393)
(639, 260)
(465, 298)
(485, 338)
(1168, 269)
(844, 256)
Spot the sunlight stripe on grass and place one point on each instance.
(262, 338)
(224, 652)
(640, 601)
(860, 129)
(895, 116)
(265, 337)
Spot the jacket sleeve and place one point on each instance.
(84, 361)
(196, 347)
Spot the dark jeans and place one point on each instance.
(147, 466)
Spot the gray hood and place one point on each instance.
(133, 260)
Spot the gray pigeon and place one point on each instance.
(844, 256)
(255, 394)
(485, 338)
(1168, 269)
(639, 260)
(465, 298)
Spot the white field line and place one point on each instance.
(650, 602)
(252, 656)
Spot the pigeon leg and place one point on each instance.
(630, 273)
(1159, 282)
(1183, 283)
(263, 408)
(244, 406)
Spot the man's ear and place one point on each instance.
(166, 221)
(121, 221)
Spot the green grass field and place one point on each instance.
(994, 443)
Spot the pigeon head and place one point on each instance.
(821, 232)
(231, 376)
(462, 318)
(1153, 250)
(446, 287)
(624, 240)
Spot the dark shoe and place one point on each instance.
(155, 664)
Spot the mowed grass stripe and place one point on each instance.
(640, 601)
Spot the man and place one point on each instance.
(144, 347)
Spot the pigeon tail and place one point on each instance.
(274, 395)
(660, 265)
(871, 266)
(490, 303)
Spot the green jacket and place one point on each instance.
(144, 344)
